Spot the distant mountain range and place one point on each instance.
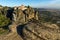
(44, 9)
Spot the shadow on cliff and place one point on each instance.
(20, 30)
(9, 13)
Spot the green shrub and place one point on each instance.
(4, 20)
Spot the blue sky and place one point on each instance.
(33, 3)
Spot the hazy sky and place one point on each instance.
(33, 3)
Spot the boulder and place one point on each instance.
(12, 28)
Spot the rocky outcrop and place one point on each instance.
(12, 28)
(23, 14)
(33, 30)
(38, 31)
(54, 26)
(22, 7)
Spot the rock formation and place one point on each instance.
(37, 31)
(26, 26)
(24, 14)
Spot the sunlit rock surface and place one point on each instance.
(38, 31)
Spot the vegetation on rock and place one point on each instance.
(4, 21)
